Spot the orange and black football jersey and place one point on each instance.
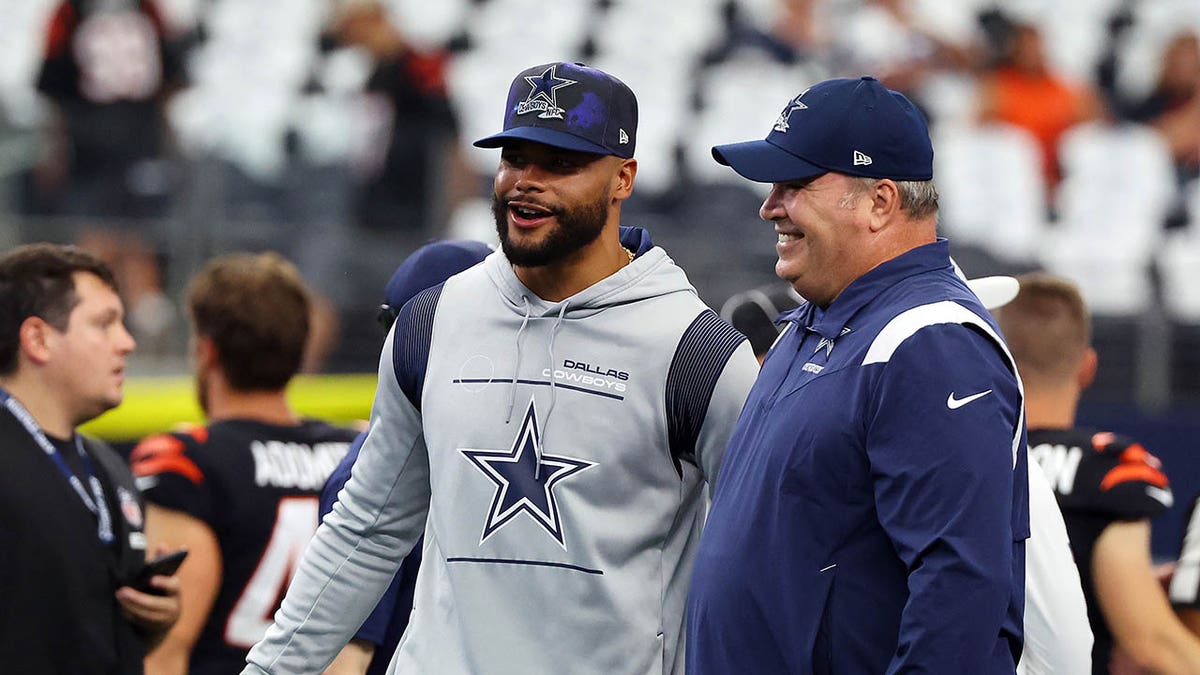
(257, 486)
(1099, 478)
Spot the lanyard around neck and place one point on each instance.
(95, 501)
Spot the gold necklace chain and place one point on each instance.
(628, 253)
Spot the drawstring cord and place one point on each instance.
(537, 471)
(512, 389)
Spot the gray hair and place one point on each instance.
(918, 197)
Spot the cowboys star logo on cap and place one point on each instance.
(781, 123)
(543, 97)
(570, 106)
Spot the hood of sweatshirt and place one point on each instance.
(652, 273)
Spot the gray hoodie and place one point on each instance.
(555, 456)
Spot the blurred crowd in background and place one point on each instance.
(160, 133)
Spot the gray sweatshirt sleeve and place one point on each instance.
(378, 517)
(723, 410)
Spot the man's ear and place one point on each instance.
(205, 351)
(885, 203)
(35, 340)
(1085, 374)
(624, 179)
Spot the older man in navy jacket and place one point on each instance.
(873, 509)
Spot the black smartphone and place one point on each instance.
(165, 564)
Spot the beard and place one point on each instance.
(576, 227)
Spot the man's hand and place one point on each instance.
(153, 613)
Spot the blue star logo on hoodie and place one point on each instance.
(525, 478)
(543, 96)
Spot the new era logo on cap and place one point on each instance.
(569, 106)
(856, 127)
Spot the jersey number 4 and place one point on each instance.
(252, 615)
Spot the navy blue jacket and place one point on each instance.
(873, 506)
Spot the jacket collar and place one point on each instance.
(831, 321)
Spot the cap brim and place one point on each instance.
(994, 292)
(551, 137)
(765, 162)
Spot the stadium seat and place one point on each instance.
(761, 14)
(1178, 262)
(1116, 190)
(992, 191)
(1112, 283)
(22, 32)
(949, 98)
(429, 25)
(955, 20)
(553, 28)
(661, 30)
(1118, 183)
(244, 88)
(21, 109)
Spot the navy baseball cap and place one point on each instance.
(855, 127)
(428, 266)
(570, 106)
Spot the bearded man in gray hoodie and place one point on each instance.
(550, 419)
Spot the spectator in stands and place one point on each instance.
(891, 39)
(1107, 485)
(371, 648)
(1021, 89)
(421, 173)
(794, 35)
(797, 26)
(107, 69)
(1173, 107)
(241, 493)
(71, 539)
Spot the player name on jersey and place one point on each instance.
(1060, 464)
(286, 464)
